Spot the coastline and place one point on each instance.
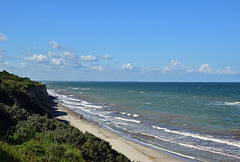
(134, 151)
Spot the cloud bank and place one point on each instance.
(37, 58)
(58, 59)
(205, 68)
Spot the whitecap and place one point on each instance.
(75, 88)
(73, 99)
(227, 103)
(135, 115)
(131, 120)
(202, 137)
(71, 102)
(232, 103)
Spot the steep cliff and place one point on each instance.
(23, 92)
(36, 100)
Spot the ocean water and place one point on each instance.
(194, 121)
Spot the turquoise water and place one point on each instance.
(197, 121)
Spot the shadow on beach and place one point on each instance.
(56, 113)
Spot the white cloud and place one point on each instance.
(67, 55)
(176, 66)
(55, 45)
(37, 58)
(5, 66)
(23, 65)
(228, 70)
(60, 61)
(205, 68)
(107, 57)
(52, 54)
(3, 37)
(88, 58)
(145, 69)
(127, 67)
(98, 68)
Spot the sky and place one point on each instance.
(121, 40)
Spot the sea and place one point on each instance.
(191, 121)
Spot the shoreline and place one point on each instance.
(134, 151)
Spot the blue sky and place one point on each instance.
(127, 40)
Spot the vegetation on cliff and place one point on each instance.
(27, 133)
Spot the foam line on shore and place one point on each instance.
(132, 150)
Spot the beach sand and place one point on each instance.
(130, 149)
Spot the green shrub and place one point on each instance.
(15, 112)
(38, 138)
(56, 150)
(31, 147)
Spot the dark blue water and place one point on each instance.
(199, 121)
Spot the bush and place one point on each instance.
(96, 149)
(56, 150)
(31, 147)
(38, 138)
(15, 112)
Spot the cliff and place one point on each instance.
(24, 93)
(36, 100)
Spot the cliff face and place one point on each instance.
(37, 100)
(39, 95)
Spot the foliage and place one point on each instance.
(15, 112)
(56, 138)
(96, 149)
(4, 75)
(35, 137)
(18, 90)
(13, 86)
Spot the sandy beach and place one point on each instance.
(130, 149)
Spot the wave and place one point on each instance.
(131, 120)
(148, 103)
(171, 152)
(201, 148)
(73, 88)
(128, 114)
(232, 103)
(198, 136)
(153, 146)
(73, 99)
(85, 89)
(135, 115)
(208, 150)
(71, 103)
(227, 103)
